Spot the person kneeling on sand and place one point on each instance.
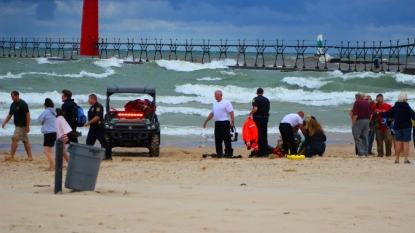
(315, 138)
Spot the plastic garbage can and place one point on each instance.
(83, 166)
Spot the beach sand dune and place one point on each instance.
(182, 192)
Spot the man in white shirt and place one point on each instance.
(222, 113)
(288, 126)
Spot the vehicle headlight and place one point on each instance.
(153, 127)
(107, 126)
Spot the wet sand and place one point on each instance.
(182, 192)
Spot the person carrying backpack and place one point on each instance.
(68, 107)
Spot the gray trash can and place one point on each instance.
(83, 166)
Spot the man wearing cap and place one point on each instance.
(361, 113)
(383, 133)
(260, 114)
(222, 112)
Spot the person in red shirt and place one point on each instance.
(383, 133)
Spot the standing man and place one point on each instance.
(222, 112)
(20, 111)
(372, 130)
(96, 129)
(68, 111)
(260, 114)
(360, 124)
(383, 133)
(288, 126)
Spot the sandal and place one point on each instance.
(407, 161)
(396, 161)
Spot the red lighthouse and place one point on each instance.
(89, 28)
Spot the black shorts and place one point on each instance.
(49, 139)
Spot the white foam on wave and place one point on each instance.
(39, 98)
(173, 130)
(182, 99)
(42, 60)
(8, 130)
(338, 129)
(185, 66)
(280, 94)
(353, 75)
(34, 112)
(110, 62)
(163, 110)
(405, 78)
(208, 79)
(11, 75)
(308, 82)
(226, 72)
(203, 94)
(82, 74)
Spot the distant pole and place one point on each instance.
(58, 165)
(89, 28)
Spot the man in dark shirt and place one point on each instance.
(260, 114)
(360, 124)
(68, 109)
(20, 110)
(96, 130)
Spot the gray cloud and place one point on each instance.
(215, 19)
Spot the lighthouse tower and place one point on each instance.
(89, 28)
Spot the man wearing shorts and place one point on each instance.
(20, 112)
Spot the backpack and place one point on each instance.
(78, 116)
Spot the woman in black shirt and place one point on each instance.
(315, 139)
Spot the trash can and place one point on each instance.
(83, 166)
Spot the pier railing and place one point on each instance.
(362, 52)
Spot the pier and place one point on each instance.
(275, 55)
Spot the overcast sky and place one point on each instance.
(354, 20)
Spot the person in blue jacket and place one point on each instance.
(48, 121)
(402, 113)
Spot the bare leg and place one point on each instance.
(406, 150)
(28, 149)
(398, 148)
(14, 148)
(65, 154)
(48, 152)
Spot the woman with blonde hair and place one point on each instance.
(315, 138)
(402, 113)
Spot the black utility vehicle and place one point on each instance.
(135, 124)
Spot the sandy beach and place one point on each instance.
(182, 192)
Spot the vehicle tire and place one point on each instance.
(154, 145)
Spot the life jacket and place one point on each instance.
(139, 105)
(250, 134)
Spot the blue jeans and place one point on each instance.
(315, 150)
(371, 137)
